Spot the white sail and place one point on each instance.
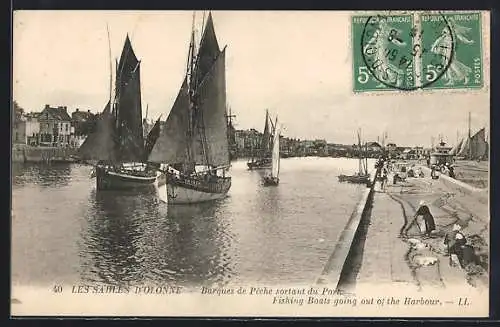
(275, 168)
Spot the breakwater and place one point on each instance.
(26, 153)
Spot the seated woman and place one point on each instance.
(428, 220)
(456, 243)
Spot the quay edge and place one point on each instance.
(334, 267)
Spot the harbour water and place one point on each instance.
(65, 232)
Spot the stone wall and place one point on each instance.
(26, 153)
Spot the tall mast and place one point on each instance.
(203, 23)
(190, 84)
(191, 52)
(110, 66)
(278, 139)
(360, 149)
(470, 145)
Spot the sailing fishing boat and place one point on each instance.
(263, 160)
(118, 144)
(472, 147)
(273, 177)
(194, 141)
(362, 176)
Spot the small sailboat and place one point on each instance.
(117, 146)
(194, 142)
(263, 160)
(273, 178)
(362, 176)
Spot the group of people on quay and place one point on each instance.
(399, 172)
(460, 252)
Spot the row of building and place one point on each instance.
(247, 143)
(53, 126)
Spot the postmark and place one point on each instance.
(400, 52)
(385, 43)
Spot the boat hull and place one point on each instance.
(271, 181)
(355, 179)
(259, 164)
(110, 180)
(195, 190)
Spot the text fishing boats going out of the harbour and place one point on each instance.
(263, 160)
(194, 141)
(117, 145)
(273, 177)
(362, 176)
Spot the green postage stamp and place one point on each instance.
(419, 50)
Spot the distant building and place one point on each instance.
(373, 147)
(83, 122)
(247, 141)
(55, 126)
(391, 147)
(26, 129)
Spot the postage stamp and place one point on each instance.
(425, 50)
(219, 164)
(465, 69)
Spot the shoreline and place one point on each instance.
(334, 271)
(22, 153)
(381, 253)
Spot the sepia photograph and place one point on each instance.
(250, 163)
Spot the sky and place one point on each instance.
(296, 64)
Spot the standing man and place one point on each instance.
(384, 178)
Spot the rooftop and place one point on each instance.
(59, 113)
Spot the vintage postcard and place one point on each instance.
(250, 163)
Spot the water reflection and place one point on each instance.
(256, 234)
(134, 238)
(199, 243)
(45, 175)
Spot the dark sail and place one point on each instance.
(474, 147)
(196, 129)
(208, 51)
(100, 145)
(151, 139)
(266, 138)
(128, 106)
(171, 146)
(479, 147)
(211, 96)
